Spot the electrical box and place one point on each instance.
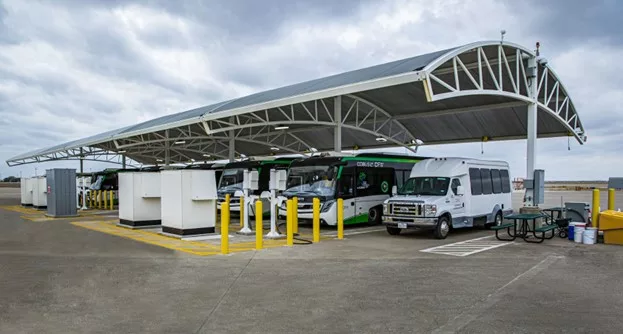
(61, 192)
(139, 199)
(251, 180)
(189, 204)
(278, 179)
(615, 183)
(40, 192)
(26, 191)
(539, 186)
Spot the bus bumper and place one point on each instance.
(403, 222)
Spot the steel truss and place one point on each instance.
(88, 153)
(501, 70)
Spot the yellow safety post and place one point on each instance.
(316, 219)
(99, 199)
(289, 221)
(225, 228)
(259, 228)
(295, 221)
(112, 200)
(105, 194)
(340, 218)
(611, 199)
(242, 211)
(227, 198)
(595, 208)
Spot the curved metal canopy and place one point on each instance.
(475, 92)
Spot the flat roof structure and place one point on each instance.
(477, 92)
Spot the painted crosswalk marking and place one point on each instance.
(467, 247)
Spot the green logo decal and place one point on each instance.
(384, 186)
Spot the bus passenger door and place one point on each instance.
(346, 191)
(457, 203)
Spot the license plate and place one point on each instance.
(402, 225)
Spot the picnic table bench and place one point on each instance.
(526, 231)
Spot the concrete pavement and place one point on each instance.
(59, 278)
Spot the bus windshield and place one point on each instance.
(431, 186)
(231, 180)
(316, 180)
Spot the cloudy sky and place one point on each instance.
(72, 68)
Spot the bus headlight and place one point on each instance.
(327, 205)
(430, 210)
(385, 208)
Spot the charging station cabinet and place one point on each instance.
(26, 191)
(278, 181)
(139, 199)
(189, 204)
(40, 192)
(61, 192)
(539, 186)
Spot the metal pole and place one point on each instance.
(259, 230)
(225, 228)
(81, 161)
(289, 221)
(316, 221)
(244, 212)
(531, 129)
(337, 116)
(123, 162)
(167, 149)
(232, 142)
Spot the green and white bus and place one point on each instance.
(363, 181)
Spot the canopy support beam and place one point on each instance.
(337, 116)
(532, 131)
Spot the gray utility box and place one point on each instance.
(61, 192)
(615, 183)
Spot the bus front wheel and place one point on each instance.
(393, 230)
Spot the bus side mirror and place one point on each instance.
(394, 190)
(460, 190)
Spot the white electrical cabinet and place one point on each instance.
(26, 191)
(189, 202)
(139, 199)
(40, 192)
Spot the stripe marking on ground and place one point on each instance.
(467, 247)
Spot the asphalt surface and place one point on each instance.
(60, 278)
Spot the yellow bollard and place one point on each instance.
(289, 221)
(595, 208)
(105, 194)
(227, 198)
(225, 228)
(611, 199)
(295, 221)
(340, 218)
(316, 219)
(259, 228)
(112, 200)
(99, 199)
(242, 207)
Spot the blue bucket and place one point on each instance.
(571, 231)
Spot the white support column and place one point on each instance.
(337, 116)
(232, 142)
(531, 129)
(167, 149)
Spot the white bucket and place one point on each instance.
(579, 233)
(590, 236)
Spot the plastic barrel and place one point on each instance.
(579, 234)
(590, 236)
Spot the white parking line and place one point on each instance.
(467, 247)
(355, 231)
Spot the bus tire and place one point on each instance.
(498, 219)
(443, 227)
(374, 216)
(393, 230)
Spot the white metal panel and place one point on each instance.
(126, 196)
(172, 199)
(203, 185)
(150, 185)
(27, 199)
(40, 192)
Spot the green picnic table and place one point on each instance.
(527, 228)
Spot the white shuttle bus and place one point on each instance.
(445, 193)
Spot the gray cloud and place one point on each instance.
(90, 66)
